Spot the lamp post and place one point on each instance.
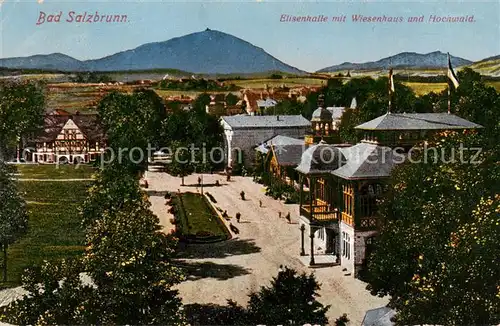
(201, 186)
(302, 230)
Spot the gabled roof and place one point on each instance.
(336, 111)
(320, 159)
(266, 121)
(278, 140)
(367, 161)
(288, 155)
(53, 124)
(418, 121)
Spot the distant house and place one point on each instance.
(68, 138)
(263, 105)
(243, 132)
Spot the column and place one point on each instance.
(311, 195)
(301, 180)
(302, 230)
(312, 262)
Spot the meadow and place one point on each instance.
(54, 230)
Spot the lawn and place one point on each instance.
(54, 226)
(53, 171)
(197, 219)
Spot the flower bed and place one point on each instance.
(196, 219)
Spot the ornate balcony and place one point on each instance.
(321, 213)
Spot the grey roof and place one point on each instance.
(367, 161)
(289, 155)
(278, 140)
(321, 158)
(418, 121)
(267, 103)
(322, 114)
(266, 121)
(378, 317)
(336, 111)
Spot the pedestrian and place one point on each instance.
(199, 181)
(260, 203)
(238, 216)
(242, 194)
(224, 215)
(217, 183)
(279, 214)
(288, 218)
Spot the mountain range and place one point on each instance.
(410, 60)
(215, 52)
(207, 52)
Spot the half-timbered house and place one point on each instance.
(66, 138)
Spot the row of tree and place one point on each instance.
(437, 253)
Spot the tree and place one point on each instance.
(466, 289)
(13, 214)
(201, 102)
(22, 106)
(57, 296)
(291, 299)
(132, 123)
(231, 99)
(111, 188)
(128, 260)
(435, 199)
(182, 161)
(286, 107)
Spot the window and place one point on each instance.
(346, 245)
(321, 234)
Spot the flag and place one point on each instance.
(451, 73)
(391, 81)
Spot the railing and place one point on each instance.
(368, 223)
(319, 212)
(347, 219)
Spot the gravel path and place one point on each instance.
(232, 269)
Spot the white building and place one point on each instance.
(242, 133)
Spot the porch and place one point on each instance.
(320, 260)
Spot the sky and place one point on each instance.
(306, 45)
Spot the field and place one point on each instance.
(288, 82)
(54, 230)
(79, 97)
(424, 88)
(197, 218)
(495, 84)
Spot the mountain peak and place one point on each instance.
(411, 60)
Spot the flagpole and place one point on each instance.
(449, 98)
(390, 91)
